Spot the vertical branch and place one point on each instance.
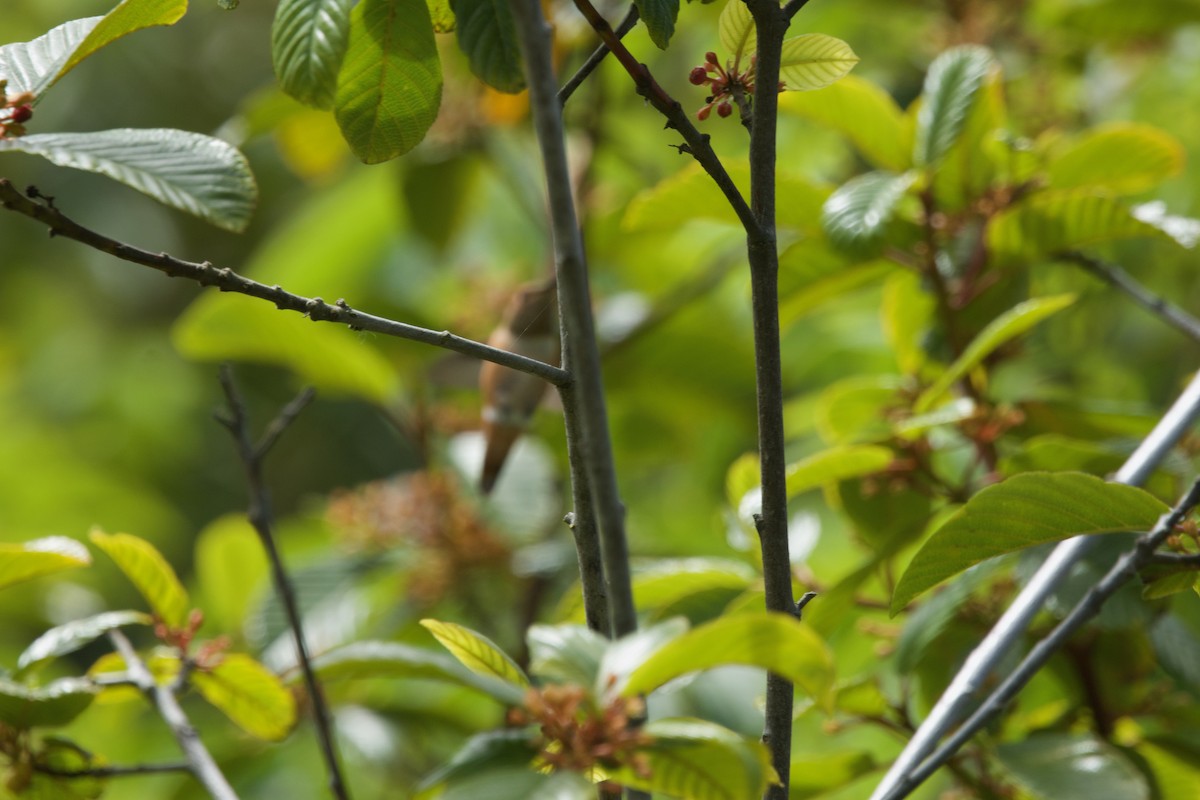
(587, 419)
(200, 761)
(262, 519)
(763, 253)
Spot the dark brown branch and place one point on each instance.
(792, 7)
(1116, 277)
(595, 59)
(113, 770)
(200, 762)
(262, 519)
(227, 280)
(696, 143)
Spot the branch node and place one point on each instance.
(802, 602)
(569, 519)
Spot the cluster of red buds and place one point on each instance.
(15, 111)
(723, 82)
(208, 655)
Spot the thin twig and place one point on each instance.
(792, 7)
(1120, 279)
(113, 770)
(200, 762)
(1089, 606)
(1176, 559)
(595, 59)
(696, 143)
(227, 280)
(262, 519)
(975, 673)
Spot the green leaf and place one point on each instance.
(484, 752)
(188, 171)
(814, 61)
(28, 560)
(511, 782)
(231, 569)
(863, 113)
(1184, 231)
(776, 642)
(659, 16)
(33, 66)
(69, 637)
(631, 651)
(565, 653)
(56, 703)
(856, 215)
(817, 293)
(1069, 766)
(695, 759)
(669, 581)
(1028, 509)
(373, 659)
(249, 694)
(953, 80)
(835, 464)
(923, 626)
(1177, 650)
(487, 35)
(735, 27)
(1173, 763)
(146, 568)
(1053, 222)
(823, 775)
(476, 652)
(1122, 157)
(442, 16)
(1001, 330)
(308, 42)
(742, 476)
(390, 84)
(854, 409)
(906, 314)
(130, 16)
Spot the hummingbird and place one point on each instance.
(529, 327)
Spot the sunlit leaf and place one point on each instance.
(776, 642)
(1052, 222)
(953, 80)
(821, 776)
(1121, 157)
(1069, 766)
(249, 694)
(999, 331)
(129, 16)
(372, 659)
(906, 314)
(146, 569)
(476, 652)
(659, 17)
(308, 42)
(835, 464)
(698, 760)
(1185, 231)
(56, 703)
(487, 35)
(565, 653)
(1172, 761)
(230, 568)
(188, 171)
(1028, 509)
(735, 27)
(814, 61)
(71, 636)
(390, 83)
(856, 215)
(863, 113)
(33, 66)
(854, 409)
(33, 559)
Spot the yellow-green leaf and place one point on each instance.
(814, 61)
(477, 653)
(249, 694)
(1004, 328)
(776, 642)
(835, 464)
(1121, 157)
(736, 29)
(863, 113)
(1027, 509)
(130, 16)
(149, 572)
(29, 560)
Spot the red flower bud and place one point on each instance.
(703, 113)
(22, 113)
(711, 57)
(724, 109)
(698, 76)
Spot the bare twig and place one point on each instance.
(597, 56)
(1124, 570)
(262, 519)
(1120, 279)
(1176, 559)
(200, 761)
(696, 143)
(976, 671)
(792, 7)
(227, 280)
